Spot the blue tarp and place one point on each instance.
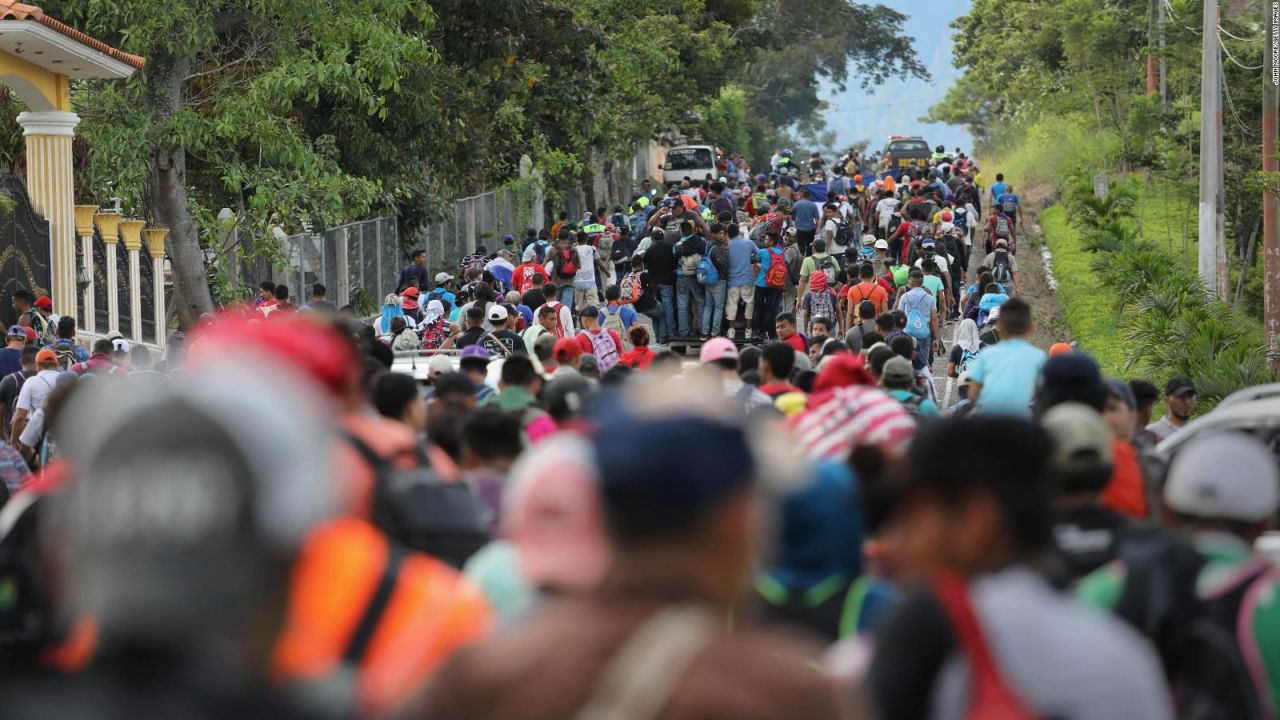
(817, 191)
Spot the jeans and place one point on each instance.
(566, 296)
(658, 317)
(688, 304)
(713, 307)
(766, 313)
(667, 296)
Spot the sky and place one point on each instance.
(895, 107)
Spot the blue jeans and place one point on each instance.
(713, 307)
(667, 296)
(566, 295)
(688, 304)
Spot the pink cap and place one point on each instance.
(552, 515)
(717, 348)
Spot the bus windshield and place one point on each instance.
(688, 159)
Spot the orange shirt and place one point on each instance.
(868, 291)
(1126, 493)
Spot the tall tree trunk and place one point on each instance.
(168, 193)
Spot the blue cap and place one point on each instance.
(508, 239)
(635, 456)
(668, 202)
(17, 331)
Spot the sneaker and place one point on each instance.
(705, 337)
(748, 335)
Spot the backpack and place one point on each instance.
(706, 272)
(604, 348)
(960, 218)
(1000, 270)
(966, 357)
(917, 321)
(631, 287)
(900, 274)
(843, 235)
(915, 230)
(776, 275)
(828, 267)
(568, 265)
(1003, 228)
(421, 511)
(66, 353)
(26, 616)
(912, 406)
(1198, 639)
(990, 696)
(821, 305)
(613, 321)
(1008, 204)
(44, 334)
(689, 263)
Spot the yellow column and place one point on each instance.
(155, 244)
(131, 236)
(109, 226)
(84, 228)
(50, 182)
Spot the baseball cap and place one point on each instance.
(443, 277)
(566, 349)
(508, 239)
(454, 383)
(1002, 243)
(17, 331)
(1081, 439)
(1179, 385)
(115, 335)
(439, 365)
(497, 314)
(120, 346)
(718, 348)
(474, 352)
(928, 242)
(565, 396)
(882, 244)
(1224, 476)
(1060, 348)
(44, 303)
(898, 369)
(46, 357)
(411, 291)
(552, 516)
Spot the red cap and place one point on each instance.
(31, 334)
(843, 370)
(312, 347)
(566, 349)
(44, 303)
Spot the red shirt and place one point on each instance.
(638, 358)
(798, 342)
(523, 274)
(1126, 493)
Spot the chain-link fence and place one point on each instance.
(359, 263)
(480, 221)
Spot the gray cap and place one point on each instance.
(1224, 476)
(898, 370)
(1081, 439)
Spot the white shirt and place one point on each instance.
(36, 389)
(941, 261)
(886, 208)
(829, 230)
(586, 275)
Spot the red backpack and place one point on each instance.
(776, 276)
(990, 697)
(568, 268)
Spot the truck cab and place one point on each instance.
(906, 154)
(695, 162)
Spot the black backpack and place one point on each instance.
(1195, 637)
(1000, 270)
(422, 511)
(26, 618)
(842, 236)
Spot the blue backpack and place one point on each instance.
(707, 273)
(917, 321)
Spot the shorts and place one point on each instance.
(745, 293)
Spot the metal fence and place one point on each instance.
(479, 221)
(358, 262)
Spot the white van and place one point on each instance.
(695, 162)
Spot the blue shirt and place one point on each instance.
(10, 361)
(807, 213)
(998, 189)
(1007, 372)
(626, 312)
(741, 250)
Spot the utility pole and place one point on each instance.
(1210, 138)
(1151, 44)
(1160, 22)
(1270, 203)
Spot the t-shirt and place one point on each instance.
(501, 343)
(10, 361)
(998, 189)
(1162, 428)
(533, 298)
(9, 393)
(1007, 372)
(36, 389)
(806, 213)
(741, 251)
(797, 342)
(934, 285)
(939, 259)
(625, 312)
(920, 300)
(1087, 537)
(818, 305)
(660, 262)
(868, 291)
(810, 265)
(829, 230)
(671, 226)
(586, 277)
(469, 337)
(989, 261)
(765, 256)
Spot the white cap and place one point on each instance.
(497, 314)
(1224, 476)
(443, 277)
(120, 345)
(439, 365)
(882, 244)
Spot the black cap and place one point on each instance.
(454, 382)
(1179, 385)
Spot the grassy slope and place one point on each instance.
(1085, 304)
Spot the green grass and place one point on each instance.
(1167, 213)
(1086, 304)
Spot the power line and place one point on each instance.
(1224, 31)
(1232, 57)
(1231, 105)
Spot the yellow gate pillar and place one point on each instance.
(51, 183)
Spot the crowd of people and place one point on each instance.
(564, 518)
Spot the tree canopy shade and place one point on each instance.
(296, 110)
